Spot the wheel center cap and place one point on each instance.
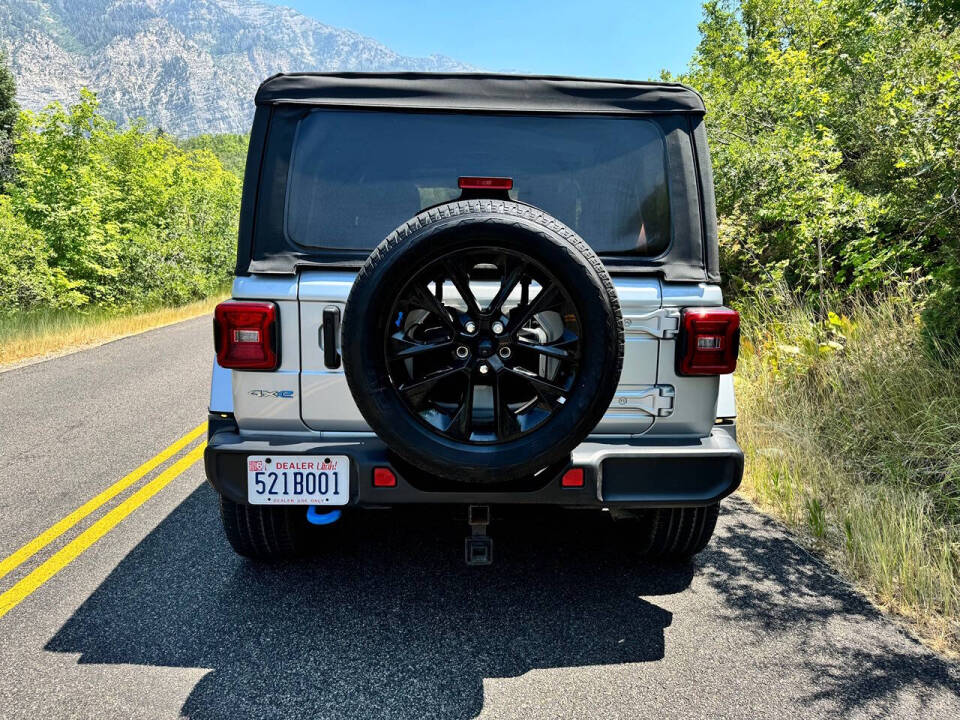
(485, 348)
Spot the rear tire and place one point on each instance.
(669, 533)
(267, 533)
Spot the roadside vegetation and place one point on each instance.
(229, 149)
(106, 218)
(46, 333)
(105, 230)
(836, 151)
(851, 428)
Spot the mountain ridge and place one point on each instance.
(186, 66)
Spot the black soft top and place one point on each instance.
(483, 92)
(285, 99)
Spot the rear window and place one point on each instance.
(355, 176)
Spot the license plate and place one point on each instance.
(298, 479)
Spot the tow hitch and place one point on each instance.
(478, 548)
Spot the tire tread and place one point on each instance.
(673, 533)
(262, 532)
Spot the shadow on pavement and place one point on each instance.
(388, 623)
(856, 659)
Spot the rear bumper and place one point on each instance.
(617, 473)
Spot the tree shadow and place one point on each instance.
(388, 622)
(856, 659)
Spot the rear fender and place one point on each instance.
(221, 389)
(726, 399)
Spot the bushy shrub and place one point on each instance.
(230, 149)
(849, 426)
(941, 315)
(120, 218)
(26, 279)
(836, 146)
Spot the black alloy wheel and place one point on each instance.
(446, 346)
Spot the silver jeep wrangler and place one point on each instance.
(476, 291)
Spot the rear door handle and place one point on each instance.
(329, 333)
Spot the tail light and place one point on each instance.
(709, 341)
(246, 335)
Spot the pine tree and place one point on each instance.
(9, 110)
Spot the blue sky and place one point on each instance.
(603, 38)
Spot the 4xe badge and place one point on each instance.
(272, 393)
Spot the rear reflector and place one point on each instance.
(245, 335)
(384, 477)
(709, 341)
(572, 478)
(485, 183)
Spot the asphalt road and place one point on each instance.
(147, 612)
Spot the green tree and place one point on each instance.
(230, 149)
(26, 278)
(9, 110)
(115, 218)
(835, 143)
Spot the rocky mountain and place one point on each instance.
(187, 66)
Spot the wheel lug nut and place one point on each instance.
(497, 327)
(484, 369)
(505, 352)
(470, 326)
(463, 351)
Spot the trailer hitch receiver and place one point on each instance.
(478, 548)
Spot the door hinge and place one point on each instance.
(652, 400)
(661, 323)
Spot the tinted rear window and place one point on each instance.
(355, 176)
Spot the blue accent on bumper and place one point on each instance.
(315, 517)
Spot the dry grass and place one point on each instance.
(851, 429)
(33, 336)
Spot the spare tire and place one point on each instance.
(482, 340)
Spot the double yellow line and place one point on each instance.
(63, 557)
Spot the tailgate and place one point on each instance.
(325, 400)
(327, 405)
